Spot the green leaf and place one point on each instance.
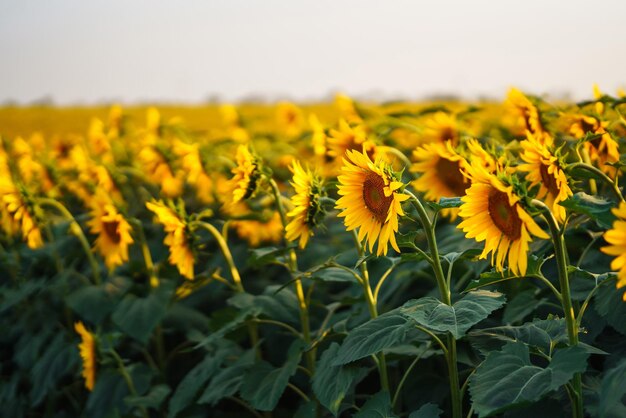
(468, 254)
(107, 398)
(268, 255)
(59, 359)
(378, 406)
(492, 277)
(91, 303)
(137, 317)
(612, 391)
(386, 331)
(194, 380)
(456, 319)
(595, 207)
(276, 302)
(264, 385)
(227, 381)
(507, 378)
(522, 305)
(240, 319)
(333, 274)
(330, 382)
(428, 410)
(446, 203)
(153, 399)
(408, 240)
(609, 303)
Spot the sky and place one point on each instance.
(191, 51)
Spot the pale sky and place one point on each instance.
(95, 51)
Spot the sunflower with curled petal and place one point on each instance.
(246, 175)
(87, 348)
(544, 169)
(616, 237)
(19, 213)
(441, 169)
(493, 213)
(113, 230)
(177, 237)
(307, 211)
(370, 200)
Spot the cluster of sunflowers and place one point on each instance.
(323, 217)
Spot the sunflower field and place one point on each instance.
(346, 259)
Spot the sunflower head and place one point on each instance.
(441, 127)
(20, 212)
(347, 108)
(371, 200)
(524, 113)
(87, 348)
(492, 212)
(247, 175)
(307, 210)
(616, 237)
(289, 118)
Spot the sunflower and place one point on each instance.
(19, 213)
(87, 349)
(246, 175)
(177, 237)
(192, 164)
(318, 137)
(257, 232)
(441, 169)
(113, 231)
(617, 238)
(478, 155)
(232, 121)
(603, 150)
(347, 108)
(307, 211)
(525, 115)
(347, 137)
(597, 94)
(544, 169)
(289, 118)
(370, 200)
(492, 212)
(441, 127)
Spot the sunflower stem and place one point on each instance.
(145, 251)
(77, 231)
(252, 328)
(128, 379)
(444, 291)
(599, 173)
(371, 305)
(293, 267)
(566, 300)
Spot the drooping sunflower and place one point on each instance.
(370, 200)
(113, 230)
(544, 169)
(19, 213)
(616, 237)
(87, 348)
(246, 174)
(307, 211)
(158, 167)
(177, 237)
(441, 169)
(492, 212)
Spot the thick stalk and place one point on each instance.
(566, 300)
(373, 310)
(78, 232)
(444, 291)
(293, 266)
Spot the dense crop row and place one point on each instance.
(399, 259)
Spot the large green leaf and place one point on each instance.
(59, 359)
(378, 406)
(507, 378)
(137, 317)
(611, 395)
(436, 316)
(386, 331)
(227, 381)
(595, 207)
(609, 303)
(264, 385)
(492, 277)
(91, 303)
(152, 399)
(330, 382)
(428, 410)
(107, 397)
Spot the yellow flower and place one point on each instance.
(348, 137)
(259, 232)
(153, 120)
(603, 150)
(441, 127)
(289, 118)
(98, 139)
(544, 169)
(232, 121)
(441, 169)
(246, 175)
(318, 138)
(525, 115)
(347, 109)
(597, 94)
(113, 231)
(177, 237)
(492, 212)
(19, 213)
(157, 167)
(87, 349)
(617, 238)
(306, 212)
(197, 176)
(370, 200)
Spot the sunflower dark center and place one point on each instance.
(111, 228)
(448, 134)
(587, 126)
(374, 197)
(504, 215)
(548, 180)
(449, 172)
